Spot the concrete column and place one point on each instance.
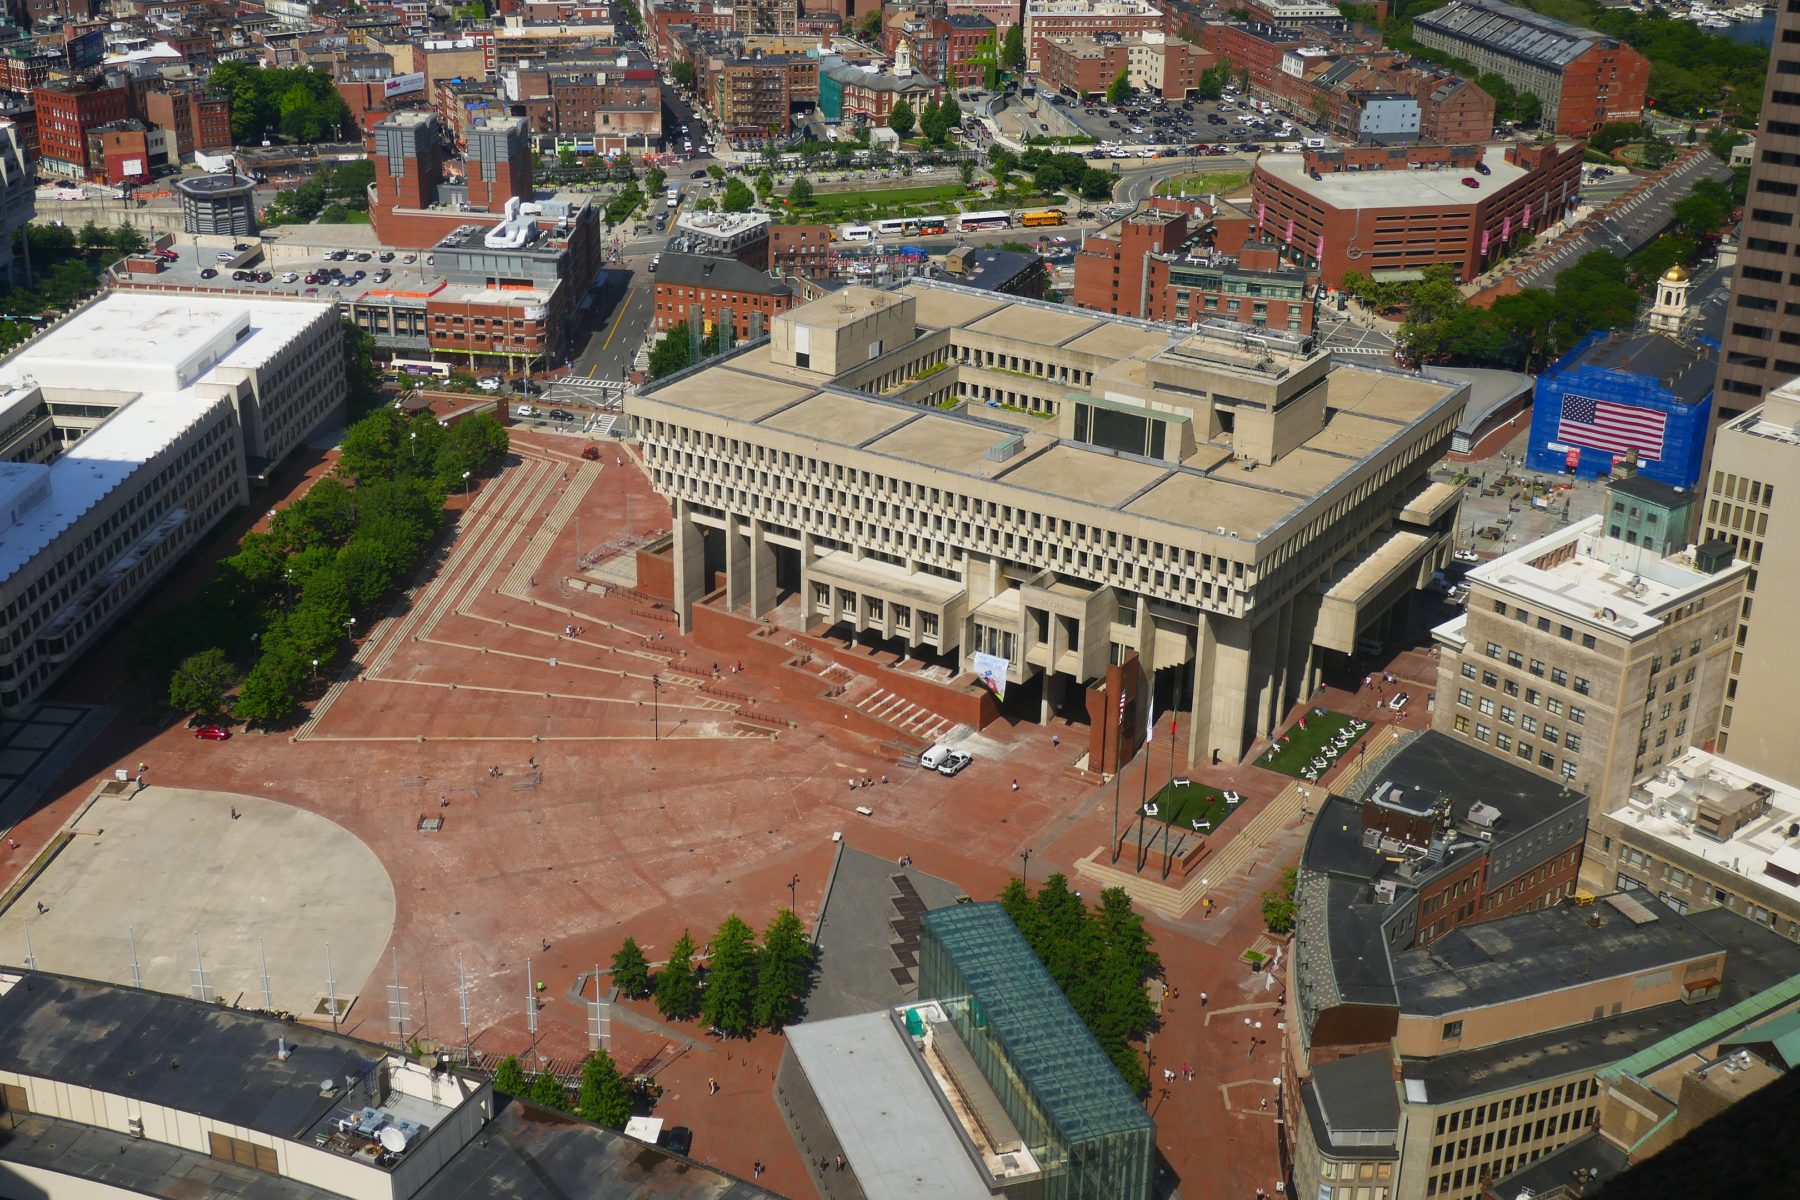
(690, 564)
(1303, 657)
(1051, 696)
(737, 565)
(1265, 643)
(762, 570)
(1284, 662)
(1231, 692)
(1199, 716)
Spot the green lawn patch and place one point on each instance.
(1204, 183)
(1191, 807)
(1294, 755)
(890, 201)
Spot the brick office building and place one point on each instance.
(943, 45)
(801, 250)
(1154, 64)
(66, 114)
(1584, 78)
(1045, 19)
(1140, 271)
(196, 122)
(1370, 209)
(717, 285)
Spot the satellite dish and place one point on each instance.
(393, 1139)
(328, 1084)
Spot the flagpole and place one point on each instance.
(1173, 718)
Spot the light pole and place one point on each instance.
(315, 663)
(793, 892)
(1024, 865)
(350, 627)
(656, 708)
(412, 441)
(465, 483)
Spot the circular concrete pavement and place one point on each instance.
(171, 867)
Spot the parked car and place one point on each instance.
(1469, 181)
(591, 453)
(290, 277)
(213, 733)
(1398, 703)
(677, 1139)
(1481, 168)
(488, 383)
(387, 256)
(208, 272)
(954, 762)
(525, 410)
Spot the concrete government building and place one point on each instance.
(958, 473)
(129, 429)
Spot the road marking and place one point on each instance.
(595, 367)
(623, 305)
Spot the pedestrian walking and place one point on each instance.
(41, 909)
(1015, 785)
(712, 1087)
(1187, 1072)
(12, 844)
(840, 1162)
(756, 1169)
(1055, 741)
(1202, 999)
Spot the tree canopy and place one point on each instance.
(603, 1097)
(677, 991)
(299, 103)
(1119, 88)
(1012, 49)
(630, 970)
(728, 1003)
(1100, 957)
(901, 119)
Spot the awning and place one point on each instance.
(1398, 275)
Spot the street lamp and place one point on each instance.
(656, 708)
(350, 626)
(315, 663)
(793, 892)
(1024, 865)
(412, 440)
(465, 483)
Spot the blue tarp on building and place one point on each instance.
(1622, 396)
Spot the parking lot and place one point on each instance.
(278, 268)
(1142, 125)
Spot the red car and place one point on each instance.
(213, 733)
(591, 453)
(1469, 181)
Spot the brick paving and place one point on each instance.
(636, 792)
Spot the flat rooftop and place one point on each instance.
(1757, 960)
(1534, 953)
(1605, 583)
(1662, 807)
(887, 1117)
(1428, 187)
(1367, 407)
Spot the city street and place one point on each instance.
(621, 314)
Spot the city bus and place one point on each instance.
(857, 233)
(969, 222)
(1043, 216)
(922, 225)
(409, 366)
(892, 227)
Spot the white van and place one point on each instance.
(935, 757)
(1314, 143)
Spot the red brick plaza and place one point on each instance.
(595, 778)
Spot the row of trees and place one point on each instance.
(64, 266)
(283, 603)
(299, 103)
(603, 1096)
(746, 986)
(936, 121)
(1051, 171)
(1101, 957)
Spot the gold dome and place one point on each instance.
(1675, 274)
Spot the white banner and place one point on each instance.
(991, 669)
(401, 85)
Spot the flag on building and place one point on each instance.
(1527, 220)
(1262, 213)
(1618, 429)
(1320, 252)
(1288, 237)
(1484, 241)
(1506, 229)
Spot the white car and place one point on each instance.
(1398, 703)
(955, 762)
(290, 277)
(488, 383)
(525, 410)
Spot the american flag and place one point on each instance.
(1605, 425)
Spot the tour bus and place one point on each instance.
(892, 227)
(408, 366)
(857, 233)
(1044, 216)
(969, 222)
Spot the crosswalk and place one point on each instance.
(593, 385)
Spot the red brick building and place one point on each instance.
(1584, 78)
(120, 150)
(67, 113)
(717, 284)
(1378, 209)
(1153, 64)
(1271, 53)
(1142, 271)
(195, 121)
(1046, 19)
(800, 250)
(944, 46)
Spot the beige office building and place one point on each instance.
(962, 473)
(1704, 832)
(1590, 659)
(1753, 502)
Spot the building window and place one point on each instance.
(1452, 1030)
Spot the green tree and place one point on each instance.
(630, 969)
(869, 28)
(603, 1097)
(1278, 906)
(270, 688)
(950, 114)
(1016, 900)
(930, 120)
(201, 681)
(901, 119)
(683, 73)
(801, 193)
(91, 235)
(965, 170)
(565, 157)
(1012, 49)
(509, 1077)
(677, 992)
(737, 197)
(786, 966)
(362, 378)
(671, 353)
(334, 213)
(1119, 88)
(654, 179)
(729, 1001)
(548, 1092)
